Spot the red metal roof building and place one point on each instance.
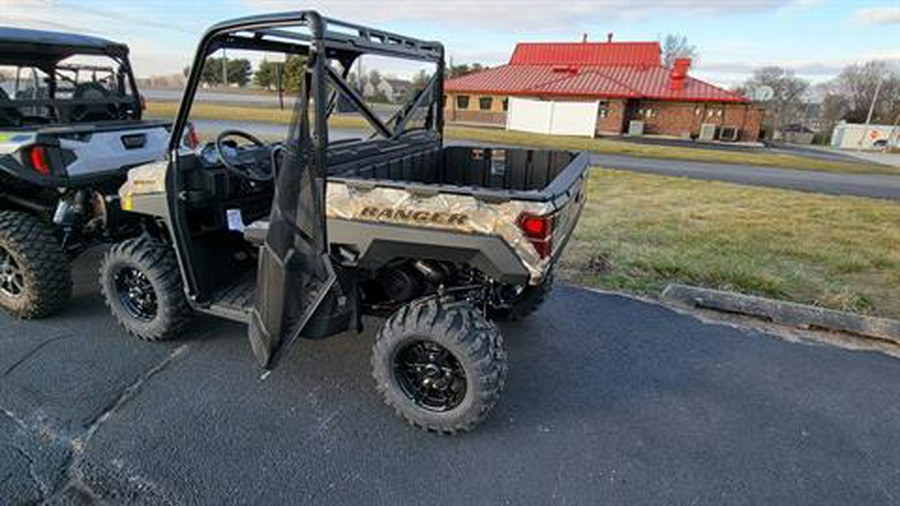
(627, 78)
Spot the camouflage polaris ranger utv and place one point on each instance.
(301, 238)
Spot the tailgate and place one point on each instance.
(109, 149)
(567, 214)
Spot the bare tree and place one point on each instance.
(786, 101)
(834, 107)
(858, 84)
(374, 78)
(677, 46)
(465, 69)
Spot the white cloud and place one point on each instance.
(878, 15)
(513, 14)
(731, 73)
(148, 55)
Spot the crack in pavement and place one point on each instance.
(73, 477)
(43, 486)
(79, 444)
(33, 352)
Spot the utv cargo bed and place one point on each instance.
(489, 173)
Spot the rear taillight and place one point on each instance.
(539, 231)
(191, 139)
(40, 162)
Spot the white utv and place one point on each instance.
(70, 128)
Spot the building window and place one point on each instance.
(603, 109)
(506, 104)
(648, 113)
(462, 102)
(485, 103)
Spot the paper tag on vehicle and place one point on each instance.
(235, 220)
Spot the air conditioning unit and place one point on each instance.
(708, 132)
(635, 127)
(728, 133)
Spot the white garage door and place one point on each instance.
(552, 118)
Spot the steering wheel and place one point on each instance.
(254, 164)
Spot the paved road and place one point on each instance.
(863, 185)
(268, 130)
(788, 149)
(245, 99)
(610, 401)
(219, 97)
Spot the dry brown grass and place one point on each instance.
(640, 232)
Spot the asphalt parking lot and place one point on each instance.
(610, 400)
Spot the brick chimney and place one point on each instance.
(679, 73)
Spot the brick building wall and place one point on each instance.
(676, 119)
(684, 119)
(613, 121)
(494, 114)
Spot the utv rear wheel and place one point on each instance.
(525, 303)
(35, 277)
(440, 365)
(141, 284)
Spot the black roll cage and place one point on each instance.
(337, 40)
(333, 39)
(51, 66)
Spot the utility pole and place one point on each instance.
(280, 92)
(871, 110)
(224, 68)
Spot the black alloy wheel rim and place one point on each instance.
(12, 282)
(430, 375)
(136, 293)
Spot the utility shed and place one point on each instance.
(861, 136)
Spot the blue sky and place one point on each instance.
(813, 37)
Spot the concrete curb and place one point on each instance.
(787, 313)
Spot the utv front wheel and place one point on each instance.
(35, 277)
(440, 365)
(141, 284)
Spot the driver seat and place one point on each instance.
(10, 116)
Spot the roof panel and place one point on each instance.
(75, 40)
(600, 81)
(26, 46)
(586, 53)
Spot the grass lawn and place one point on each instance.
(611, 146)
(640, 232)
